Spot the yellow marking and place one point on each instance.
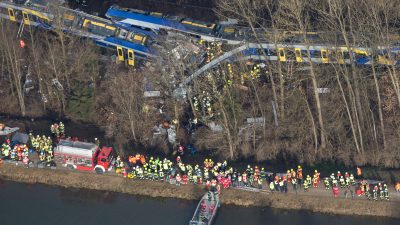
(297, 53)
(11, 14)
(138, 38)
(25, 18)
(199, 25)
(120, 53)
(359, 51)
(131, 58)
(156, 13)
(87, 22)
(324, 56)
(38, 14)
(69, 17)
(229, 30)
(339, 56)
(282, 54)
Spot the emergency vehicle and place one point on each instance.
(84, 156)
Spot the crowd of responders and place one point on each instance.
(219, 174)
(212, 174)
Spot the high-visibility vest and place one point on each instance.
(359, 172)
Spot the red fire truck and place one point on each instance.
(84, 156)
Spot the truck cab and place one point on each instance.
(103, 159)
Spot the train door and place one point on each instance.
(282, 54)
(120, 54)
(324, 56)
(297, 53)
(11, 14)
(131, 58)
(339, 56)
(25, 18)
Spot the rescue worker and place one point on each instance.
(61, 129)
(306, 184)
(245, 180)
(263, 174)
(397, 187)
(334, 181)
(97, 142)
(359, 172)
(352, 180)
(315, 181)
(293, 174)
(327, 183)
(13, 155)
(271, 186)
(346, 192)
(42, 156)
(178, 179)
(342, 182)
(386, 192)
(308, 180)
(240, 181)
(367, 192)
(381, 193)
(300, 175)
(294, 183)
(289, 176)
(347, 181)
(281, 185)
(335, 191)
(338, 175)
(375, 193)
(259, 182)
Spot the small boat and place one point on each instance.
(206, 210)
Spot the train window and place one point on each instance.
(88, 162)
(11, 12)
(80, 161)
(332, 55)
(316, 54)
(297, 52)
(290, 55)
(304, 53)
(396, 56)
(346, 55)
(281, 52)
(358, 56)
(324, 54)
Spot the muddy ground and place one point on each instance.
(316, 200)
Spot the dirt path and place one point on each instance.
(316, 200)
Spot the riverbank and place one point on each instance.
(85, 180)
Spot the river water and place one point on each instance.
(36, 204)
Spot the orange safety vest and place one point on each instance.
(359, 171)
(398, 186)
(299, 174)
(142, 159)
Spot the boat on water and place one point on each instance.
(206, 210)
